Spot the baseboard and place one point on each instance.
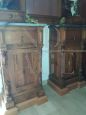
(68, 88)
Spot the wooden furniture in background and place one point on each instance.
(12, 16)
(12, 11)
(66, 47)
(45, 11)
(84, 53)
(75, 20)
(44, 7)
(21, 64)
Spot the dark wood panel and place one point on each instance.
(44, 7)
(66, 57)
(21, 58)
(83, 8)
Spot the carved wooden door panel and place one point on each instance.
(23, 69)
(20, 53)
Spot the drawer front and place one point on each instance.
(31, 37)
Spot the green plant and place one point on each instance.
(30, 19)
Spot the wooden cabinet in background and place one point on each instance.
(12, 16)
(12, 11)
(44, 7)
(21, 64)
(66, 47)
(45, 11)
(84, 53)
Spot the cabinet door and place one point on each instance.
(23, 68)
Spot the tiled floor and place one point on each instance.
(74, 103)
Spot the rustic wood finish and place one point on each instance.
(44, 7)
(45, 11)
(21, 63)
(66, 47)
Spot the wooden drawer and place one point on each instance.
(31, 37)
